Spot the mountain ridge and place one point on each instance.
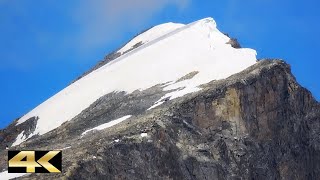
(205, 45)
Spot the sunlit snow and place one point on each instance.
(144, 134)
(20, 138)
(107, 125)
(6, 176)
(167, 56)
(65, 148)
(151, 35)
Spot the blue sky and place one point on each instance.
(44, 45)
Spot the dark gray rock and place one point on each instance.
(233, 42)
(257, 124)
(9, 134)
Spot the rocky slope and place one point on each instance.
(257, 124)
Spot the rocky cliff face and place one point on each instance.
(257, 124)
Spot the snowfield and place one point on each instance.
(170, 51)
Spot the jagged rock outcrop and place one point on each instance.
(257, 124)
(233, 42)
(9, 134)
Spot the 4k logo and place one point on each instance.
(34, 161)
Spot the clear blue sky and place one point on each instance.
(44, 45)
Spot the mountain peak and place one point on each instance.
(208, 20)
(162, 55)
(183, 101)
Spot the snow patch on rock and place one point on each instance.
(20, 138)
(106, 125)
(6, 176)
(144, 134)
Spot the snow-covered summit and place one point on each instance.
(169, 52)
